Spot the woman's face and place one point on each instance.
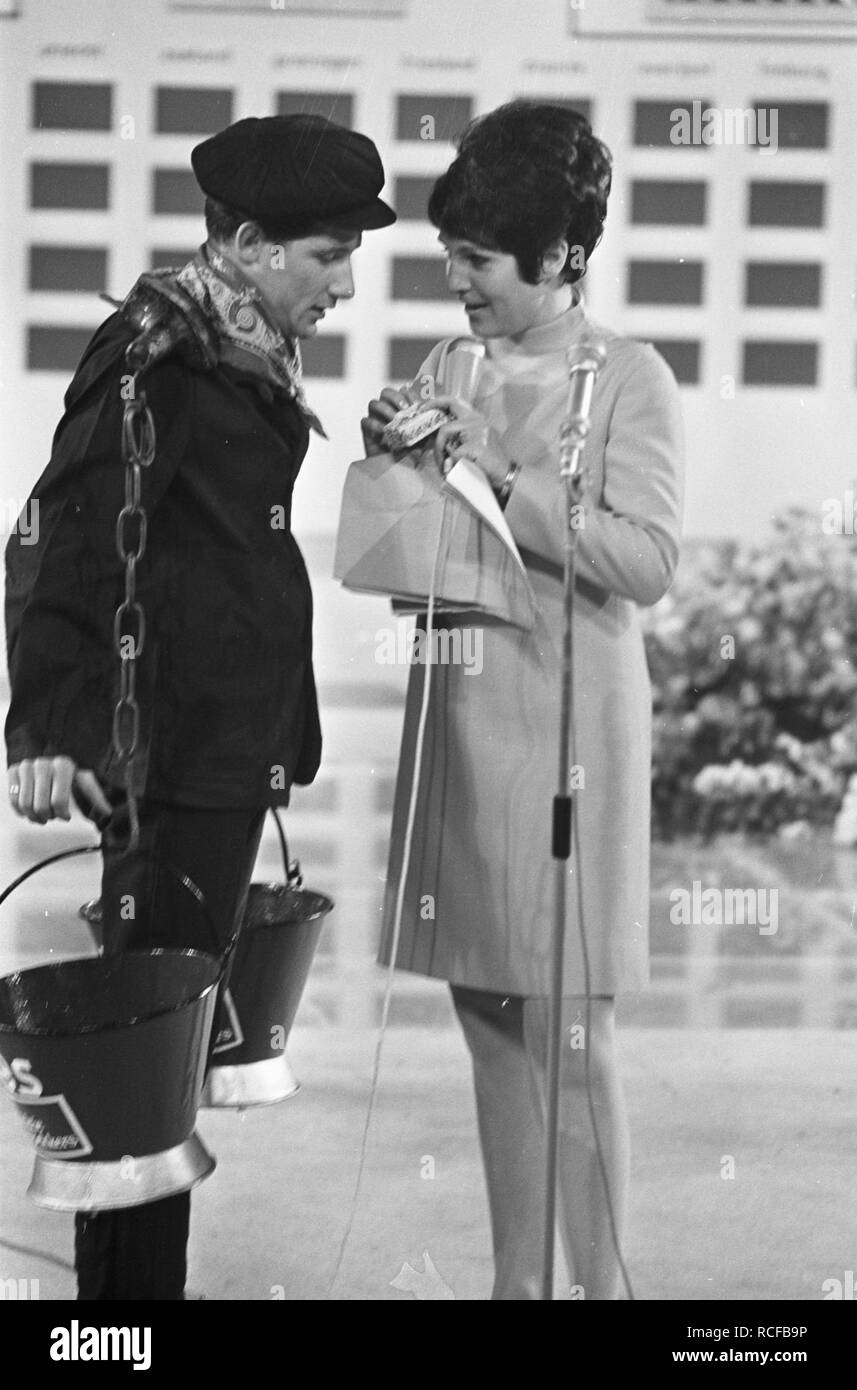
(499, 304)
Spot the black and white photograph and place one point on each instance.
(428, 829)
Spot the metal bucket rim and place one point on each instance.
(85, 1030)
(325, 904)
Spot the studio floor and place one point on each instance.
(271, 1220)
(711, 1091)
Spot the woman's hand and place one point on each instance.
(468, 436)
(380, 413)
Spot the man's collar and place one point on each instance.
(249, 338)
(244, 288)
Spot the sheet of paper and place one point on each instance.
(468, 481)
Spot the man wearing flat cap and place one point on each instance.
(214, 667)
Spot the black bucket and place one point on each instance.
(279, 935)
(105, 1060)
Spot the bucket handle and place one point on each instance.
(291, 869)
(222, 956)
(43, 864)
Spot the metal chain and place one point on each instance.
(129, 621)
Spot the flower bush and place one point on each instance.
(753, 658)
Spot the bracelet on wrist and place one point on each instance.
(504, 491)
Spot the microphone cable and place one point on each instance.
(407, 845)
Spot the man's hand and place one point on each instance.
(40, 789)
(380, 413)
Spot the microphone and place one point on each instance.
(462, 368)
(584, 362)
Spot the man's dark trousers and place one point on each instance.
(141, 1252)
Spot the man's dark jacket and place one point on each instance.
(228, 705)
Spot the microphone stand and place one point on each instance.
(573, 435)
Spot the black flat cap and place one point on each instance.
(292, 172)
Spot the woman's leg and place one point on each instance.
(583, 1206)
(511, 1136)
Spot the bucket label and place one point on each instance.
(229, 1034)
(54, 1128)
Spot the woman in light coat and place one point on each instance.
(519, 212)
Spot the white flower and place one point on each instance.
(845, 826)
(749, 629)
(795, 830)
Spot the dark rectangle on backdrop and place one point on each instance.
(780, 363)
(653, 122)
(419, 277)
(801, 125)
(669, 202)
(786, 284)
(449, 115)
(410, 196)
(665, 282)
(176, 191)
(324, 356)
(683, 355)
(79, 186)
(792, 204)
(165, 257)
(75, 268)
(72, 105)
(192, 110)
(406, 355)
(55, 348)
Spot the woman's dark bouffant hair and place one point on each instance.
(526, 176)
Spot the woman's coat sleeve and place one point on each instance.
(629, 540)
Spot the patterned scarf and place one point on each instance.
(248, 337)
